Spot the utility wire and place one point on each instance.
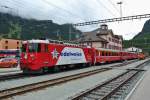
(101, 4)
(19, 4)
(92, 10)
(114, 6)
(84, 15)
(67, 11)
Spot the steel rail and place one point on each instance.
(105, 90)
(39, 85)
(21, 75)
(30, 87)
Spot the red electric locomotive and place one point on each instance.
(42, 55)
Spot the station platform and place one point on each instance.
(5, 71)
(142, 90)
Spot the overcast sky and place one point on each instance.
(74, 11)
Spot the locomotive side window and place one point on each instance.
(46, 47)
(39, 47)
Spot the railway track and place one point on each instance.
(114, 89)
(34, 86)
(21, 75)
(30, 87)
(10, 76)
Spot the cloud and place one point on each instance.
(74, 11)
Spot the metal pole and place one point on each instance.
(120, 3)
(57, 33)
(70, 32)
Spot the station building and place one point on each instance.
(133, 49)
(9, 44)
(102, 38)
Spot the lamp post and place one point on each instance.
(120, 3)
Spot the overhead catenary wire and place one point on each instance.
(113, 20)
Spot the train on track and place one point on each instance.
(45, 55)
(9, 58)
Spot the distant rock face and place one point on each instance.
(20, 28)
(146, 28)
(141, 40)
(145, 31)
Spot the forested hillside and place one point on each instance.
(142, 39)
(20, 28)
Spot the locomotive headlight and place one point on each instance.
(25, 56)
(32, 56)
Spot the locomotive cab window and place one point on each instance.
(35, 47)
(23, 48)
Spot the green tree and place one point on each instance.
(14, 31)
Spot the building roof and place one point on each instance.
(91, 37)
(95, 35)
(102, 31)
(9, 39)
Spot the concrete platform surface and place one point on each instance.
(142, 91)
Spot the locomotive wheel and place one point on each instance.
(56, 69)
(89, 64)
(45, 70)
(85, 65)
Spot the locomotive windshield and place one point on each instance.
(23, 48)
(34, 47)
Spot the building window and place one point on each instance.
(6, 47)
(112, 40)
(17, 47)
(6, 42)
(17, 42)
(109, 46)
(109, 39)
(88, 43)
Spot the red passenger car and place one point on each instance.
(107, 55)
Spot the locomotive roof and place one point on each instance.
(103, 49)
(36, 41)
(53, 41)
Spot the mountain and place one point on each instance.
(145, 31)
(21, 28)
(141, 40)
